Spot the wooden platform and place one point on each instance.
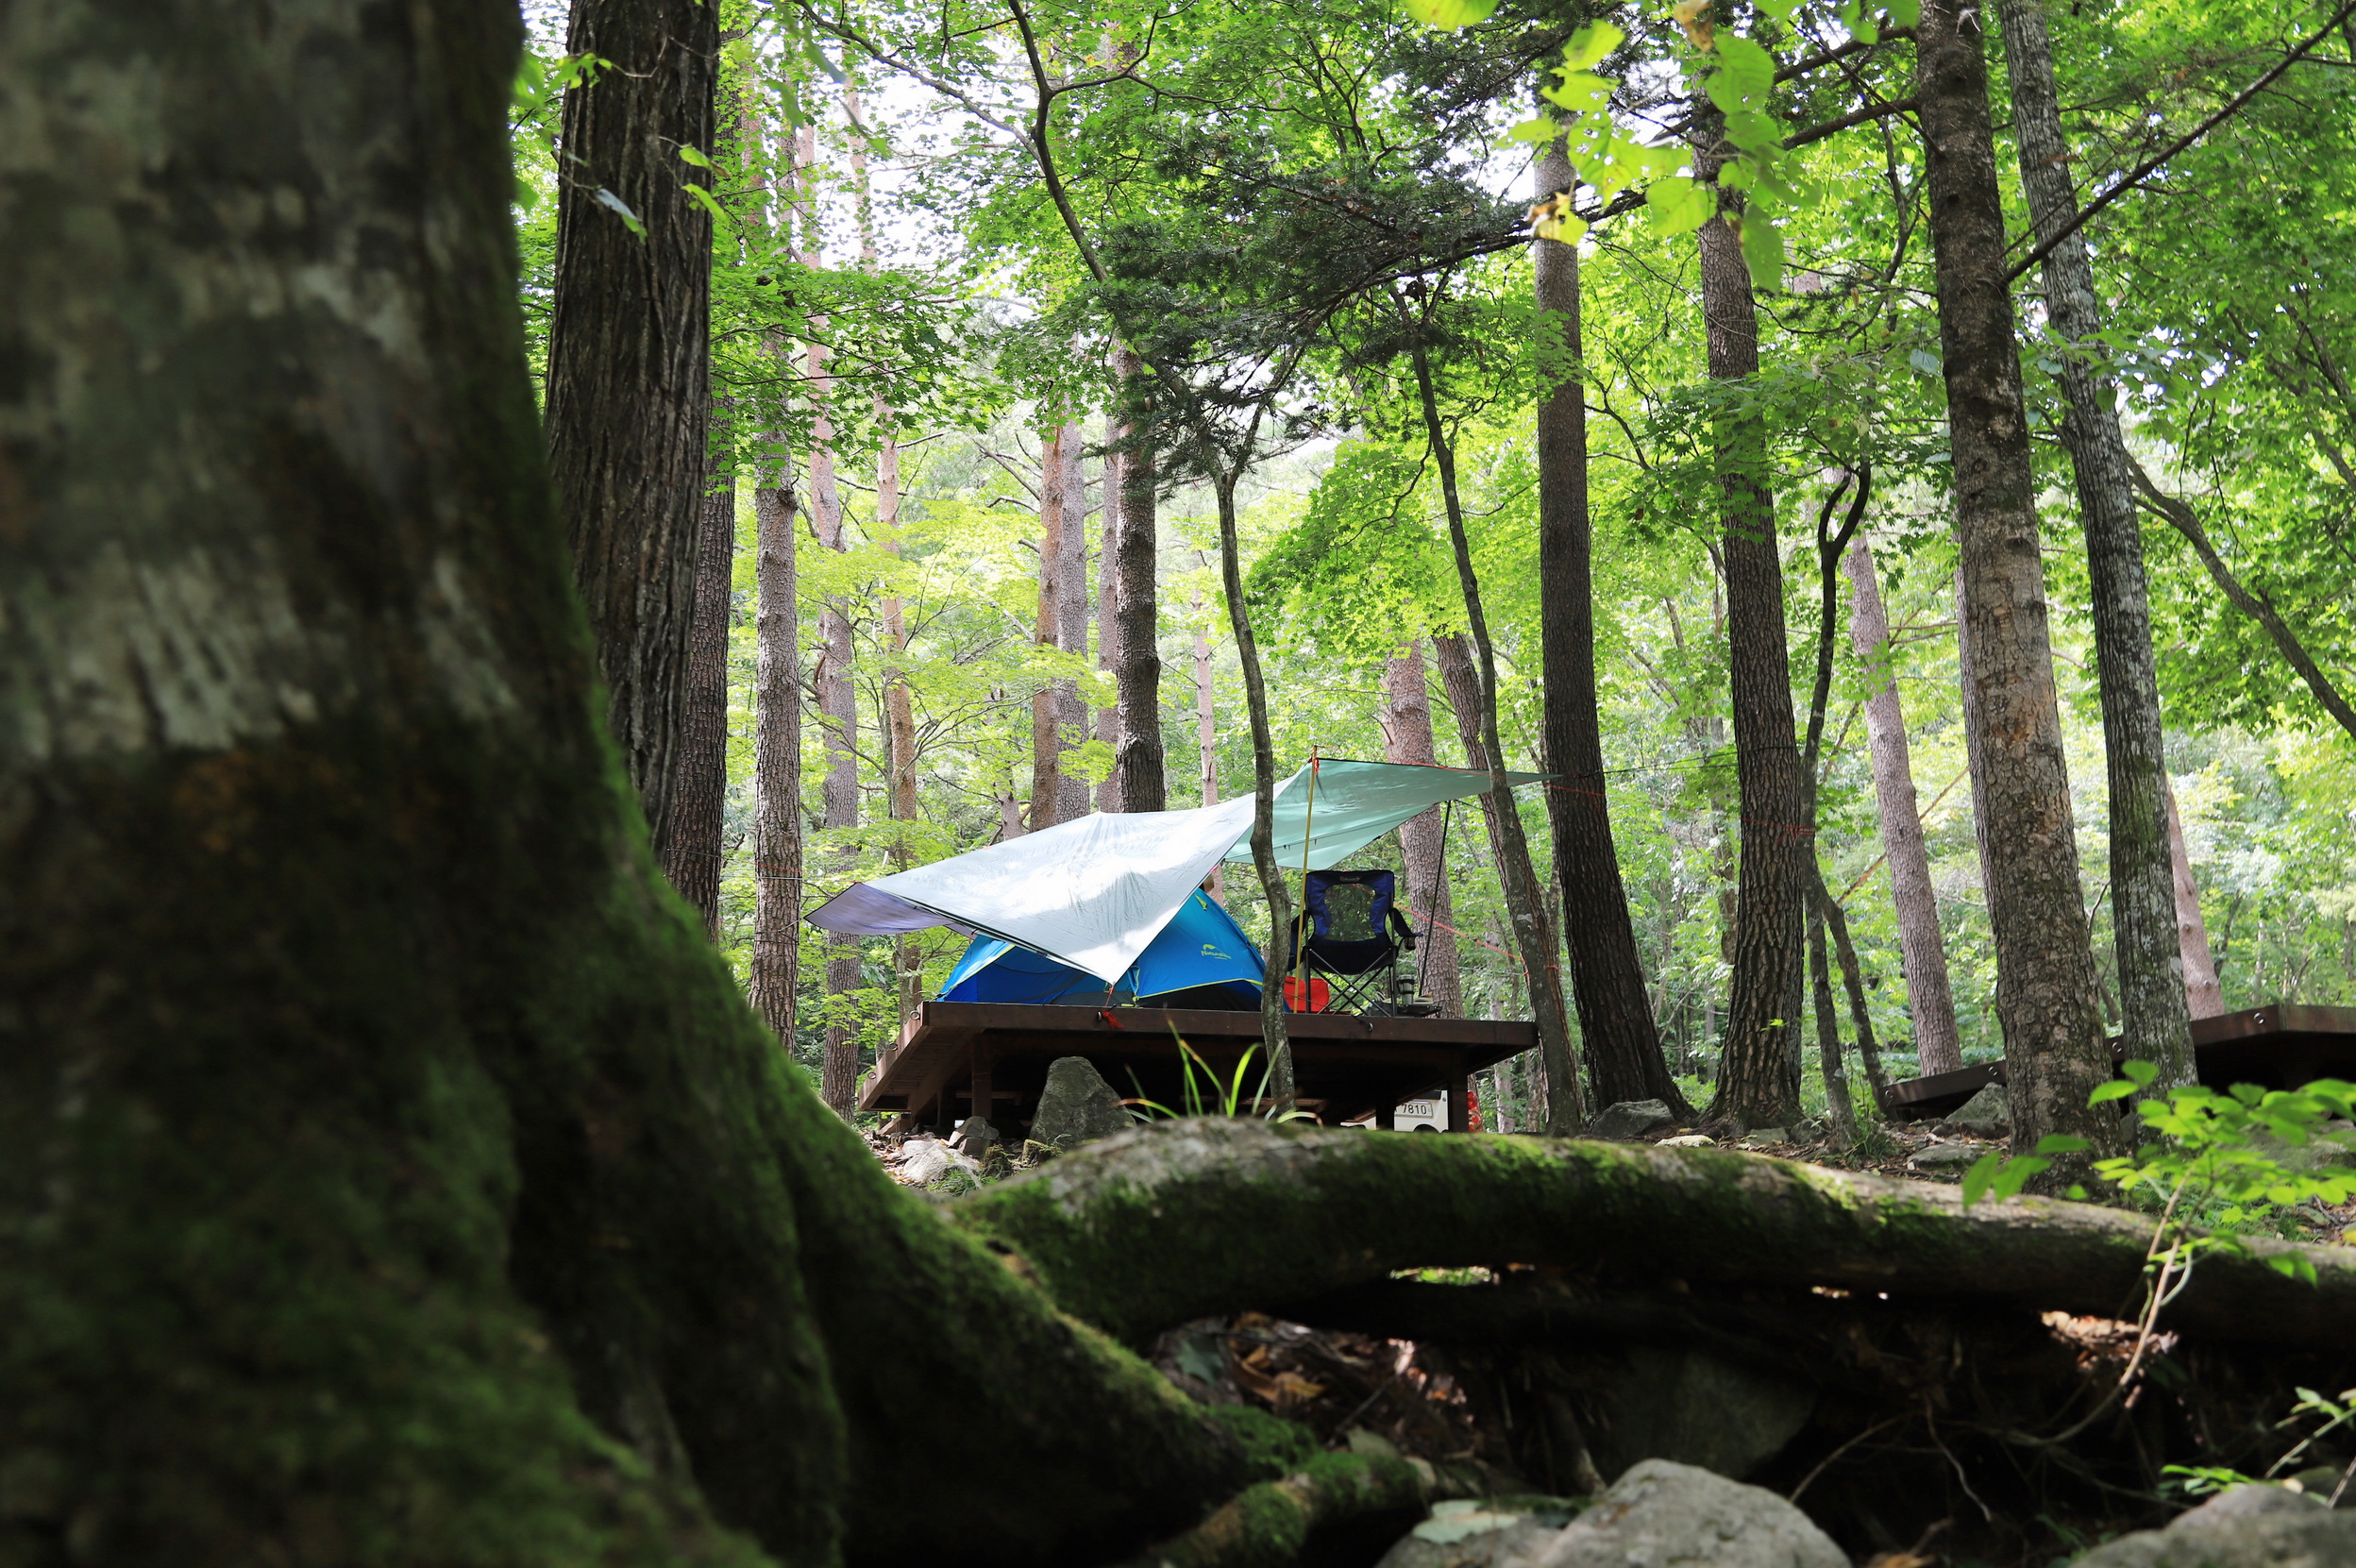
(954, 1055)
(2280, 1046)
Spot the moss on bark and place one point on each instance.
(1245, 1215)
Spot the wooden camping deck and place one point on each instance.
(957, 1054)
(2280, 1046)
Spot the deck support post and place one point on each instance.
(982, 1098)
(1387, 1117)
(1459, 1107)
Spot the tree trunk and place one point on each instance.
(1207, 742)
(1695, 1215)
(2154, 1026)
(1534, 938)
(1141, 769)
(1072, 613)
(1408, 737)
(689, 845)
(1930, 1000)
(1107, 720)
(1063, 578)
(2053, 1035)
(777, 847)
(2203, 996)
(415, 1155)
(628, 385)
(1755, 1084)
(1853, 980)
(1617, 1031)
(1273, 1035)
(1839, 1107)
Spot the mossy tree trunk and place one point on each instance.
(392, 1174)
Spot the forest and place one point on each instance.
(503, 516)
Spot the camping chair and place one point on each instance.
(1354, 934)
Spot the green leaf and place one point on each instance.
(2139, 1074)
(1763, 249)
(1925, 364)
(1590, 45)
(1450, 14)
(2016, 1173)
(630, 219)
(1749, 70)
(1982, 1173)
(2062, 1143)
(1678, 205)
(695, 156)
(720, 213)
(2117, 1089)
(2296, 1265)
(1905, 13)
(1580, 92)
(1540, 129)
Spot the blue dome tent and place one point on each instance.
(1200, 950)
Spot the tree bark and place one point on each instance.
(777, 837)
(689, 843)
(2154, 1025)
(1322, 1207)
(1839, 1107)
(1207, 742)
(1056, 712)
(2053, 1036)
(1408, 737)
(629, 384)
(1617, 1031)
(1756, 1086)
(1141, 769)
(1071, 611)
(1108, 623)
(2203, 996)
(1533, 934)
(1929, 997)
(1853, 980)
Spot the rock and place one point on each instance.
(1760, 1137)
(2250, 1526)
(1810, 1131)
(1629, 1119)
(1482, 1532)
(1077, 1105)
(974, 1137)
(1948, 1157)
(925, 1161)
(1695, 1409)
(2329, 1146)
(1689, 1141)
(1989, 1112)
(1663, 1514)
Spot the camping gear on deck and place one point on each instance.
(1094, 893)
(1352, 930)
(1201, 958)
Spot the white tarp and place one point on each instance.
(1093, 892)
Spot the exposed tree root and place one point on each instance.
(1271, 1524)
(1189, 1218)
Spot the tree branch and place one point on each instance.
(1857, 117)
(2181, 143)
(2255, 605)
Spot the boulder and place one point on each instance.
(1948, 1157)
(1689, 1141)
(1663, 1514)
(974, 1137)
(1696, 1409)
(1989, 1113)
(924, 1161)
(1486, 1533)
(1077, 1106)
(1629, 1119)
(2250, 1526)
(1760, 1138)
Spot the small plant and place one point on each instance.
(1204, 1094)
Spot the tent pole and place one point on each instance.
(1301, 920)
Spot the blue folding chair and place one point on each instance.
(1352, 933)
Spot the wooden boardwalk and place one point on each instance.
(955, 1055)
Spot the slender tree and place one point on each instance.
(1929, 997)
(2045, 998)
(689, 845)
(777, 698)
(628, 361)
(1617, 1031)
(1140, 770)
(2154, 1023)
(2203, 996)
(1758, 1081)
(1408, 737)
